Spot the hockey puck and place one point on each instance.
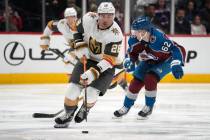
(85, 132)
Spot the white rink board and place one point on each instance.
(28, 65)
(201, 45)
(30, 43)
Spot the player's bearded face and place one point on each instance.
(141, 35)
(105, 20)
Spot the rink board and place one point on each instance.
(23, 61)
(63, 78)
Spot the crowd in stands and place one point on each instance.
(191, 16)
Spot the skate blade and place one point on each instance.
(116, 118)
(61, 125)
(142, 118)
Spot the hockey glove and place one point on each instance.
(80, 52)
(70, 58)
(129, 65)
(176, 69)
(89, 76)
(44, 42)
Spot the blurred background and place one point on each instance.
(172, 16)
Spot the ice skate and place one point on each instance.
(144, 113)
(64, 120)
(80, 116)
(121, 112)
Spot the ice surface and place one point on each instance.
(181, 112)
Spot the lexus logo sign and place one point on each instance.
(14, 53)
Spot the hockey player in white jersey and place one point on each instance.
(99, 39)
(67, 27)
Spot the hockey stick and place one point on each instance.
(116, 78)
(57, 51)
(46, 115)
(49, 115)
(85, 85)
(52, 115)
(60, 54)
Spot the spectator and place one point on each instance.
(119, 16)
(92, 6)
(2, 21)
(182, 26)
(205, 15)
(190, 10)
(139, 7)
(150, 12)
(163, 13)
(197, 28)
(15, 21)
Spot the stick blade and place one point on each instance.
(43, 115)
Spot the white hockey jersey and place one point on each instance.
(103, 44)
(67, 32)
(62, 27)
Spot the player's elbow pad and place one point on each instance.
(103, 65)
(79, 42)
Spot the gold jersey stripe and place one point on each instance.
(110, 59)
(50, 24)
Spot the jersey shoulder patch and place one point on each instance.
(53, 25)
(115, 34)
(115, 31)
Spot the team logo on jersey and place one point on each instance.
(115, 31)
(95, 46)
(152, 39)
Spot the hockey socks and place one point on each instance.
(128, 102)
(150, 101)
(64, 120)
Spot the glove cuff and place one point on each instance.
(45, 40)
(103, 65)
(70, 58)
(95, 73)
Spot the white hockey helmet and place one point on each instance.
(70, 12)
(106, 7)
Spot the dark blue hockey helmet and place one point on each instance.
(142, 23)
